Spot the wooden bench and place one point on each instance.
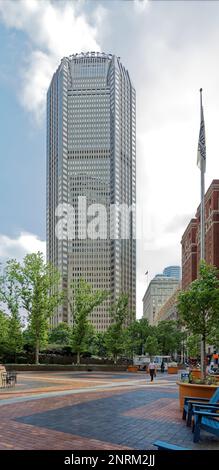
(191, 402)
(207, 420)
(162, 445)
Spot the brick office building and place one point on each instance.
(191, 237)
(189, 254)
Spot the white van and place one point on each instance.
(141, 361)
(159, 359)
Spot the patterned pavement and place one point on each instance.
(90, 411)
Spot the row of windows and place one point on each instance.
(87, 97)
(94, 110)
(98, 126)
(89, 151)
(80, 143)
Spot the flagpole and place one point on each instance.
(202, 231)
(202, 237)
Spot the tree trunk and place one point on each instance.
(203, 365)
(78, 358)
(37, 349)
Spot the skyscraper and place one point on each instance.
(172, 271)
(91, 162)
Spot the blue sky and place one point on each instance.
(171, 50)
(22, 147)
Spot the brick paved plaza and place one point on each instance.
(93, 410)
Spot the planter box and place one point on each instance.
(133, 369)
(172, 370)
(194, 390)
(196, 373)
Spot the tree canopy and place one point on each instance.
(115, 335)
(84, 302)
(198, 306)
(40, 296)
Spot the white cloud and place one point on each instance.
(20, 246)
(54, 29)
(141, 5)
(35, 80)
(167, 82)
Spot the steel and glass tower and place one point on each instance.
(91, 154)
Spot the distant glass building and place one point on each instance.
(173, 271)
(91, 153)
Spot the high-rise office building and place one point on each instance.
(91, 154)
(173, 271)
(160, 289)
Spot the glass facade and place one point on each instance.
(173, 271)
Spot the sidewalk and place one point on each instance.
(127, 412)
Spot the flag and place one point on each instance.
(201, 142)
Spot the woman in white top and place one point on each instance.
(152, 370)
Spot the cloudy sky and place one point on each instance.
(171, 49)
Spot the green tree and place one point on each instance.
(99, 346)
(151, 346)
(40, 295)
(198, 307)
(145, 331)
(85, 300)
(136, 335)
(15, 336)
(115, 335)
(169, 337)
(193, 345)
(61, 334)
(91, 339)
(4, 323)
(213, 337)
(10, 296)
(28, 345)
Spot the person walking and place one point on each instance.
(162, 367)
(152, 370)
